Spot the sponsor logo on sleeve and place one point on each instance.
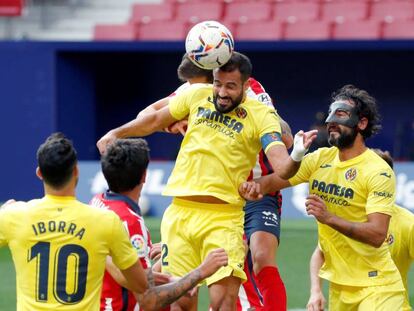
(384, 194)
(264, 98)
(138, 242)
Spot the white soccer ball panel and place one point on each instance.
(209, 44)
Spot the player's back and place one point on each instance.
(59, 247)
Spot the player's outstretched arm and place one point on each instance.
(254, 190)
(143, 125)
(372, 232)
(176, 127)
(157, 297)
(287, 165)
(158, 105)
(287, 136)
(317, 300)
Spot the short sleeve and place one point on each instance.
(381, 192)
(8, 213)
(3, 229)
(121, 250)
(179, 105)
(307, 167)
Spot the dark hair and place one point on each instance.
(56, 159)
(385, 155)
(124, 163)
(366, 107)
(188, 70)
(239, 62)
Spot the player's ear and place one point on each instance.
(39, 173)
(76, 171)
(144, 177)
(362, 124)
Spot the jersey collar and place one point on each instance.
(112, 196)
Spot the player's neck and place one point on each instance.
(355, 150)
(67, 191)
(133, 194)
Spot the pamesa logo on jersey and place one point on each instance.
(331, 188)
(219, 122)
(219, 117)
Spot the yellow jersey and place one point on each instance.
(401, 242)
(59, 247)
(218, 150)
(351, 190)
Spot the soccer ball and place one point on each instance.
(209, 44)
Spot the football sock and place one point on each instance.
(272, 288)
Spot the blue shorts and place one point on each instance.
(263, 215)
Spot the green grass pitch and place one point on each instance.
(298, 240)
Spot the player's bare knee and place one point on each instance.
(262, 258)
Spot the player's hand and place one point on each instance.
(161, 278)
(316, 207)
(155, 252)
(215, 260)
(250, 191)
(309, 137)
(105, 141)
(178, 127)
(316, 302)
(301, 144)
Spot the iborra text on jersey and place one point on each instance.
(58, 226)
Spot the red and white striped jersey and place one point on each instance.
(257, 91)
(114, 297)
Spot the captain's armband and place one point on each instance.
(270, 138)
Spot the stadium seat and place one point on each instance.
(193, 1)
(345, 11)
(145, 13)
(392, 10)
(199, 11)
(308, 30)
(115, 32)
(258, 31)
(357, 30)
(296, 11)
(243, 12)
(11, 7)
(158, 30)
(399, 30)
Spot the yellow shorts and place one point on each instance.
(370, 298)
(190, 230)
